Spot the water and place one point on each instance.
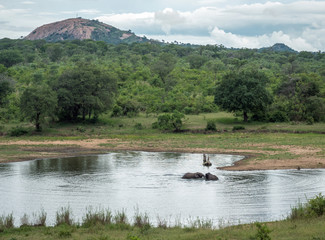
(151, 182)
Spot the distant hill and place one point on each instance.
(278, 47)
(80, 28)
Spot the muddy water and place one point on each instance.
(151, 183)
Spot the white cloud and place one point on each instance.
(238, 41)
(28, 2)
(130, 20)
(82, 11)
(201, 40)
(299, 24)
(169, 18)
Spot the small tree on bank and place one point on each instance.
(243, 91)
(37, 103)
(169, 121)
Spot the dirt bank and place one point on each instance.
(301, 157)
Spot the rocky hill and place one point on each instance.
(80, 28)
(278, 47)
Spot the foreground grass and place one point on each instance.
(299, 229)
(306, 221)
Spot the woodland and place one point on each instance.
(73, 81)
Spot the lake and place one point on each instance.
(151, 182)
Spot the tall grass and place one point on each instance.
(121, 218)
(141, 220)
(6, 221)
(64, 216)
(97, 216)
(201, 223)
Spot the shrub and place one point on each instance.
(169, 121)
(262, 232)
(278, 116)
(81, 129)
(237, 128)
(314, 207)
(18, 131)
(138, 126)
(310, 120)
(211, 126)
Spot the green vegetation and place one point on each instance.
(93, 78)
(102, 224)
(314, 207)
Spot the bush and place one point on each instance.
(315, 207)
(169, 121)
(262, 232)
(237, 128)
(138, 126)
(278, 116)
(211, 126)
(310, 120)
(18, 131)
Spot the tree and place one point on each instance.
(10, 57)
(37, 103)
(84, 90)
(244, 91)
(6, 87)
(164, 65)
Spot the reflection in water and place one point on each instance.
(152, 182)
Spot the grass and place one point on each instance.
(262, 140)
(101, 224)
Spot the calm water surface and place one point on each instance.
(151, 182)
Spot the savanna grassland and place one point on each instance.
(77, 97)
(266, 145)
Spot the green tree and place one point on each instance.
(10, 57)
(244, 91)
(6, 87)
(84, 90)
(37, 103)
(164, 65)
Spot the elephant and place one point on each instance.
(193, 175)
(209, 176)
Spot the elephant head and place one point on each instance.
(209, 176)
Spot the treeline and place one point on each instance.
(78, 80)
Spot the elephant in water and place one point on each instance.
(209, 176)
(193, 175)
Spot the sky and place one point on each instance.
(237, 23)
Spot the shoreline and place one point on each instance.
(32, 150)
